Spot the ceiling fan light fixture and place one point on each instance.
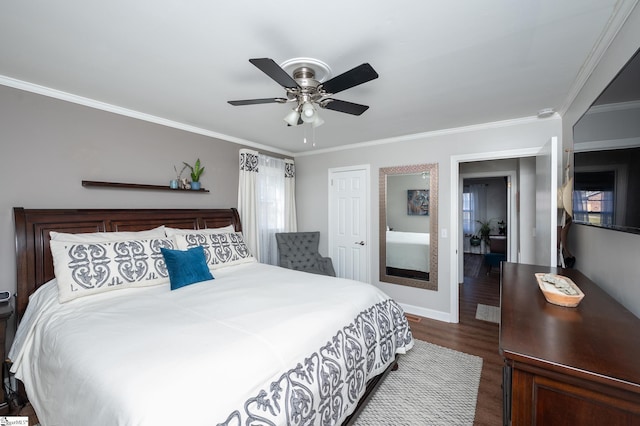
(292, 118)
(317, 122)
(308, 112)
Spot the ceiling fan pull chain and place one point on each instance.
(313, 135)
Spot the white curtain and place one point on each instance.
(271, 200)
(266, 200)
(478, 207)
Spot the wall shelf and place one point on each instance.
(120, 185)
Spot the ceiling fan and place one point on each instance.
(307, 90)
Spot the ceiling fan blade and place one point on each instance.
(273, 70)
(358, 75)
(344, 106)
(258, 101)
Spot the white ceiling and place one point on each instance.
(442, 64)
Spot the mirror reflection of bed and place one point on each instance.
(408, 254)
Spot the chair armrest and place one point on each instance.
(326, 265)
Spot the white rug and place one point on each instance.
(488, 313)
(432, 386)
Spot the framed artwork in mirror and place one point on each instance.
(418, 202)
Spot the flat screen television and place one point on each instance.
(606, 162)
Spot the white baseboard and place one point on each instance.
(427, 313)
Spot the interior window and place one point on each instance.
(467, 212)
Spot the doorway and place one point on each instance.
(486, 207)
(545, 215)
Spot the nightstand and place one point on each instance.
(5, 313)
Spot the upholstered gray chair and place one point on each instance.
(299, 251)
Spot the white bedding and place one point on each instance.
(209, 353)
(408, 250)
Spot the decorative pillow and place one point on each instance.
(221, 250)
(186, 266)
(177, 231)
(83, 269)
(95, 237)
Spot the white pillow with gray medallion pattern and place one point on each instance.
(220, 249)
(87, 268)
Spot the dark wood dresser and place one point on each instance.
(567, 366)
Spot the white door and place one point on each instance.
(349, 222)
(547, 204)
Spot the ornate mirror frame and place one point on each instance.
(418, 169)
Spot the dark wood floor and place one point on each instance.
(473, 337)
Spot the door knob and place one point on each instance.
(360, 243)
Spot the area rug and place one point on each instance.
(432, 386)
(488, 313)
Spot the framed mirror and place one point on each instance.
(409, 225)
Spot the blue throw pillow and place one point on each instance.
(186, 267)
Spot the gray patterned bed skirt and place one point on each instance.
(325, 388)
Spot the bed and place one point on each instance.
(408, 251)
(257, 344)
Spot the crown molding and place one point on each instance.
(103, 106)
(433, 134)
(620, 106)
(620, 15)
(605, 145)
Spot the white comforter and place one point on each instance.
(208, 353)
(408, 250)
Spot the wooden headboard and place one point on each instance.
(34, 262)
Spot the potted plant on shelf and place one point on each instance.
(196, 172)
(475, 240)
(502, 227)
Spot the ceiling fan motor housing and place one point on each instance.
(308, 85)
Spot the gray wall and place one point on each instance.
(527, 209)
(609, 258)
(312, 191)
(49, 146)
